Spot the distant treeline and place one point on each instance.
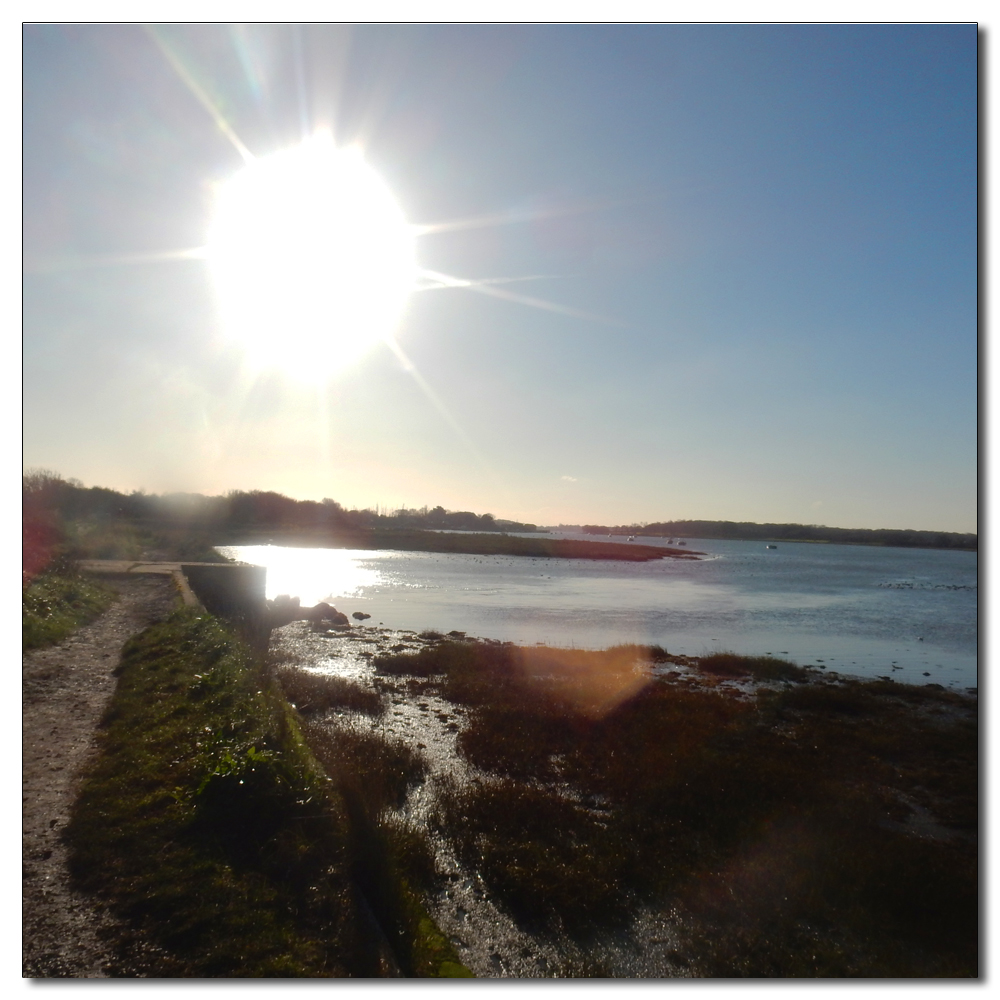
(102, 523)
(747, 530)
(243, 510)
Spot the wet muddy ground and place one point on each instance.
(487, 939)
(66, 688)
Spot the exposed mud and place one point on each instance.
(487, 939)
(65, 690)
(67, 686)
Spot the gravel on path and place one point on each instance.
(65, 690)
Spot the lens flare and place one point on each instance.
(312, 259)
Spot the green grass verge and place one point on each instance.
(53, 605)
(827, 829)
(206, 821)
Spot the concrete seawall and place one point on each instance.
(228, 590)
(232, 591)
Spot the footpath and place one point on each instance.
(65, 690)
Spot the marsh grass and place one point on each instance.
(781, 825)
(56, 603)
(312, 693)
(475, 543)
(548, 860)
(376, 770)
(393, 861)
(761, 668)
(205, 821)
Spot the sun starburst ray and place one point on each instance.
(486, 287)
(438, 404)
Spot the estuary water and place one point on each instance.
(909, 614)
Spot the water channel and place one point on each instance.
(907, 613)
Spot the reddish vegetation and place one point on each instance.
(40, 534)
(38, 539)
(493, 543)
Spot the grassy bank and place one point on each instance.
(812, 827)
(56, 603)
(207, 822)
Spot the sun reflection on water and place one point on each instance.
(312, 575)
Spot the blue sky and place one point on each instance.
(764, 238)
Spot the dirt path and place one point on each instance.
(65, 690)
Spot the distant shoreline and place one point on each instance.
(748, 531)
(492, 544)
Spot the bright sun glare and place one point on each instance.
(311, 257)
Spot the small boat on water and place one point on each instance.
(631, 538)
(772, 546)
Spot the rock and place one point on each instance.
(317, 613)
(286, 609)
(323, 612)
(360, 616)
(282, 610)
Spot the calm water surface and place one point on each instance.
(906, 613)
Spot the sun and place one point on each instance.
(311, 257)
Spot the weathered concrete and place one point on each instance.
(233, 591)
(229, 590)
